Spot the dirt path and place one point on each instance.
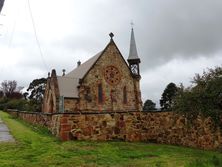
(5, 136)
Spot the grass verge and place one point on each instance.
(35, 147)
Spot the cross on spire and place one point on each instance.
(132, 24)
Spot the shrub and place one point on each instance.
(3, 103)
(19, 104)
(203, 98)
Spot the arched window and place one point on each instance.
(100, 93)
(124, 95)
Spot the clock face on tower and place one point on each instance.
(134, 69)
(112, 75)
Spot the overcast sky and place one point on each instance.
(175, 38)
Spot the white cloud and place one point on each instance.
(175, 39)
(155, 80)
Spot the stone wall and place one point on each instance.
(170, 128)
(32, 117)
(71, 105)
(159, 127)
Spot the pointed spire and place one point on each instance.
(133, 58)
(133, 50)
(1, 4)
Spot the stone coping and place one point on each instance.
(87, 112)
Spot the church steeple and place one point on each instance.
(133, 50)
(133, 58)
(1, 4)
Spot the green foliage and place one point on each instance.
(36, 89)
(3, 103)
(198, 163)
(149, 105)
(203, 98)
(10, 98)
(35, 147)
(214, 161)
(19, 104)
(166, 101)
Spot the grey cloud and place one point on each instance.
(179, 28)
(165, 30)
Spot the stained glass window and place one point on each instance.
(100, 93)
(124, 95)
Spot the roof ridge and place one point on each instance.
(79, 72)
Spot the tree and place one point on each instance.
(149, 105)
(166, 101)
(8, 88)
(1, 94)
(26, 94)
(15, 95)
(203, 98)
(36, 89)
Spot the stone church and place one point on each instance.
(104, 83)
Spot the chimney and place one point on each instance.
(78, 63)
(63, 72)
(53, 74)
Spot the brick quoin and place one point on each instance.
(64, 136)
(65, 127)
(63, 120)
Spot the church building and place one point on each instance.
(104, 83)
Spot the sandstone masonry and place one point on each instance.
(158, 127)
(105, 82)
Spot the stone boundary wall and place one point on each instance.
(158, 127)
(35, 118)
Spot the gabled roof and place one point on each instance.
(80, 71)
(68, 87)
(68, 84)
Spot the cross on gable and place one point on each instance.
(111, 35)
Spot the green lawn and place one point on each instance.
(35, 147)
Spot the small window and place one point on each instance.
(124, 95)
(100, 93)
